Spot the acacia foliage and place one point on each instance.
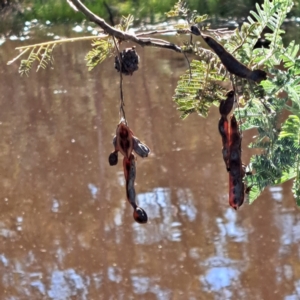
(200, 87)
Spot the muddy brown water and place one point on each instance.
(66, 230)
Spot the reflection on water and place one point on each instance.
(66, 229)
(164, 226)
(223, 273)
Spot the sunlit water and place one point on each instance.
(66, 229)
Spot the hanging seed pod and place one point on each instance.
(226, 106)
(236, 185)
(129, 166)
(124, 140)
(195, 30)
(224, 132)
(237, 172)
(130, 61)
(140, 215)
(139, 148)
(236, 191)
(235, 135)
(232, 65)
(113, 158)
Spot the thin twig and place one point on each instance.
(111, 16)
(158, 41)
(17, 57)
(94, 37)
(121, 35)
(122, 103)
(156, 32)
(43, 58)
(190, 70)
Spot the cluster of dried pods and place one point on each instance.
(228, 126)
(232, 152)
(125, 142)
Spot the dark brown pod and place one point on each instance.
(223, 130)
(257, 75)
(130, 61)
(235, 135)
(140, 148)
(232, 64)
(140, 215)
(226, 106)
(113, 158)
(236, 192)
(195, 30)
(237, 172)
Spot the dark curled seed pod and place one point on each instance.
(113, 158)
(232, 65)
(223, 129)
(226, 105)
(139, 148)
(130, 61)
(195, 30)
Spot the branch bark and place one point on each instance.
(123, 36)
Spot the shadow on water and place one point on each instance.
(66, 229)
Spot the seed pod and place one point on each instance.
(124, 141)
(232, 64)
(235, 167)
(139, 148)
(225, 153)
(113, 158)
(223, 129)
(224, 132)
(140, 216)
(130, 173)
(130, 167)
(195, 30)
(236, 191)
(237, 172)
(130, 61)
(235, 139)
(226, 106)
(229, 61)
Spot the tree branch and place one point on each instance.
(123, 36)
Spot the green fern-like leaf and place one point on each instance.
(46, 57)
(280, 160)
(198, 91)
(102, 50)
(180, 9)
(40, 54)
(125, 23)
(296, 186)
